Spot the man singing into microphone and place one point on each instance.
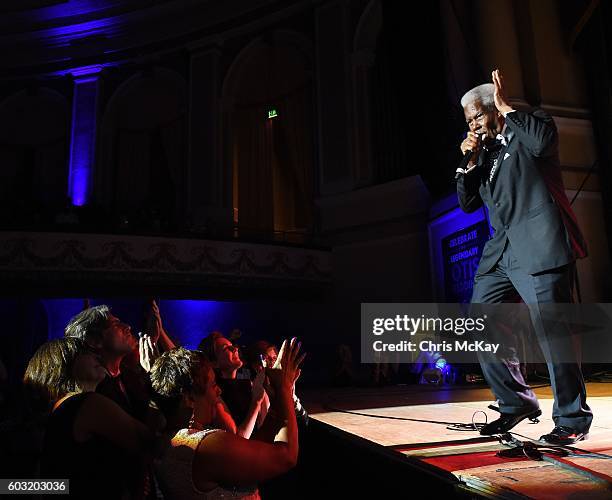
(514, 170)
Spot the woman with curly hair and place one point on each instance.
(203, 461)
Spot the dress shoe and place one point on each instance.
(562, 436)
(507, 421)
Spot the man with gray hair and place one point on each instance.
(112, 340)
(514, 170)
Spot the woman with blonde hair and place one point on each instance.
(89, 439)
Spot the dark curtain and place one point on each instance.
(594, 43)
(390, 130)
(293, 143)
(132, 176)
(148, 175)
(273, 162)
(34, 181)
(415, 125)
(253, 150)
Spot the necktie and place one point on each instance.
(492, 155)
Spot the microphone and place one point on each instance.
(466, 159)
(464, 162)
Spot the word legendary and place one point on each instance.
(429, 346)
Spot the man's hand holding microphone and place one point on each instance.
(470, 147)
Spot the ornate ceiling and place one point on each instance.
(50, 36)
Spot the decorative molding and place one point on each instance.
(116, 36)
(145, 258)
(86, 72)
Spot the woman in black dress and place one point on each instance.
(89, 439)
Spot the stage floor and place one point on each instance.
(471, 458)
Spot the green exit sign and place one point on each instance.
(272, 113)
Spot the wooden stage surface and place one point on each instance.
(471, 458)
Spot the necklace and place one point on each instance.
(195, 425)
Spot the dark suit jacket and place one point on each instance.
(527, 204)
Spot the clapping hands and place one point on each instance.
(148, 352)
(286, 370)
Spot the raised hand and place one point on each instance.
(147, 351)
(499, 94)
(286, 370)
(279, 357)
(157, 322)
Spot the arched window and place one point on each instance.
(270, 138)
(33, 156)
(142, 158)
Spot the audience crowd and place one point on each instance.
(137, 417)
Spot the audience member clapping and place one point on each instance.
(201, 458)
(263, 354)
(126, 360)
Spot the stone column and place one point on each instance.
(83, 133)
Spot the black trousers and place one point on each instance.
(505, 283)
